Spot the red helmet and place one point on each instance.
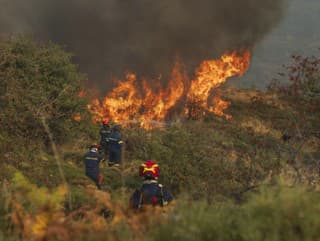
(149, 169)
(94, 146)
(105, 122)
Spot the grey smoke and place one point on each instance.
(109, 37)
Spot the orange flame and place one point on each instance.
(158, 105)
(126, 104)
(129, 103)
(77, 117)
(121, 104)
(210, 75)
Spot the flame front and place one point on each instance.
(210, 75)
(129, 103)
(122, 104)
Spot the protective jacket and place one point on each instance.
(115, 141)
(92, 160)
(151, 193)
(105, 133)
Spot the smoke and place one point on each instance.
(109, 37)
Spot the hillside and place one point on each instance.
(265, 157)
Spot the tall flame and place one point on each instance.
(156, 106)
(210, 75)
(129, 102)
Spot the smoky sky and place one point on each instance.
(109, 37)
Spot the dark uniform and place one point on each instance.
(115, 146)
(105, 133)
(92, 160)
(151, 193)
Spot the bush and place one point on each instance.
(298, 91)
(275, 214)
(38, 82)
(39, 100)
(205, 159)
(300, 79)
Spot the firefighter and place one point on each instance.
(151, 193)
(115, 146)
(105, 133)
(92, 160)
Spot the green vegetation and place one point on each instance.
(39, 100)
(279, 213)
(254, 177)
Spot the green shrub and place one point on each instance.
(39, 99)
(274, 214)
(203, 160)
(38, 81)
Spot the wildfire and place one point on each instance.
(210, 75)
(129, 102)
